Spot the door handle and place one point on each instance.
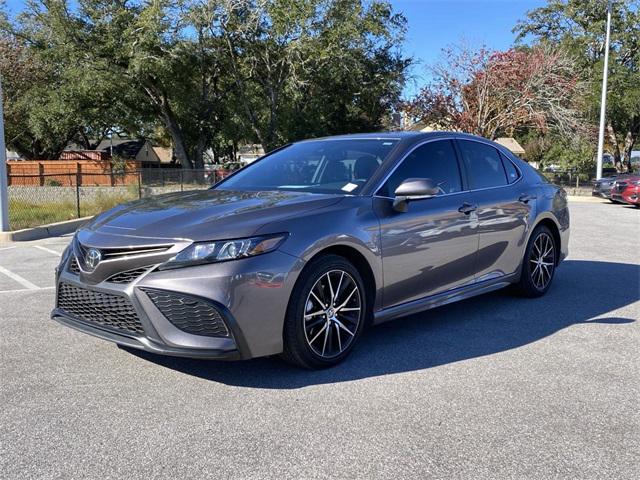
(467, 208)
(525, 198)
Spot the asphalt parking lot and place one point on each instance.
(493, 387)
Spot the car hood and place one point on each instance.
(204, 214)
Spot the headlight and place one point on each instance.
(223, 250)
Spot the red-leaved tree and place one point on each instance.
(493, 93)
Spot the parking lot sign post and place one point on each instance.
(4, 198)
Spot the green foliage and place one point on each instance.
(204, 73)
(579, 27)
(568, 154)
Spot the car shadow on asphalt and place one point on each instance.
(584, 292)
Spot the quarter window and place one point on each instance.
(509, 167)
(483, 165)
(434, 160)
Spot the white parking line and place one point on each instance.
(22, 281)
(45, 249)
(8, 248)
(26, 290)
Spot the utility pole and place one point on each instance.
(4, 198)
(603, 101)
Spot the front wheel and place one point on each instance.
(326, 313)
(538, 264)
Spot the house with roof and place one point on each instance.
(141, 150)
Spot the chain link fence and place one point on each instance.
(42, 199)
(570, 179)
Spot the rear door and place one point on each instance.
(504, 207)
(431, 247)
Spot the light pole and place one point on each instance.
(4, 200)
(603, 100)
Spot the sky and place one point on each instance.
(434, 24)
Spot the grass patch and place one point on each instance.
(25, 214)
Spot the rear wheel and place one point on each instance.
(326, 313)
(538, 264)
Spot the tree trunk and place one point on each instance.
(179, 147)
(617, 162)
(629, 141)
(198, 159)
(163, 108)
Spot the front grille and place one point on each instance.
(108, 253)
(129, 276)
(73, 266)
(189, 314)
(103, 309)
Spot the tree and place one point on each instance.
(153, 60)
(213, 73)
(313, 67)
(493, 93)
(35, 121)
(52, 100)
(578, 26)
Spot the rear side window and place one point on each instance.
(434, 160)
(510, 168)
(483, 164)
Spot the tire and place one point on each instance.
(538, 269)
(324, 339)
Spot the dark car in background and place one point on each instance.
(627, 190)
(602, 187)
(295, 253)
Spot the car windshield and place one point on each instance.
(321, 166)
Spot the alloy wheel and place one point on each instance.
(333, 312)
(542, 261)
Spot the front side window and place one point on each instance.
(483, 164)
(320, 166)
(434, 160)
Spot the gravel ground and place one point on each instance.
(493, 387)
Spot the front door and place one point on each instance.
(432, 247)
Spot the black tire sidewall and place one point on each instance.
(526, 284)
(296, 348)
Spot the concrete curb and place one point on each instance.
(581, 198)
(43, 231)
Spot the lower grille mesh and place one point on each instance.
(106, 310)
(188, 313)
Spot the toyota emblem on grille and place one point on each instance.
(92, 258)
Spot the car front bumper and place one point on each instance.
(601, 193)
(631, 195)
(246, 299)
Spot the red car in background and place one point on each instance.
(627, 190)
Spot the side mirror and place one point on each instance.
(414, 189)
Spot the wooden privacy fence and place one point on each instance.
(72, 172)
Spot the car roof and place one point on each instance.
(399, 135)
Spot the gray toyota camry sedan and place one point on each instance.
(298, 252)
